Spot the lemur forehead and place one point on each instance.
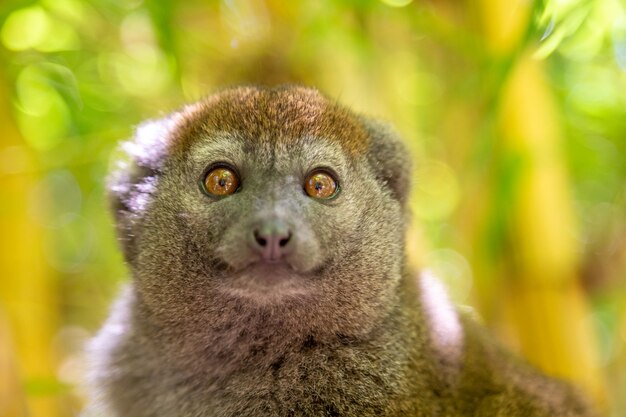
(307, 152)
(284, 114)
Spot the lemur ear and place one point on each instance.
(133, 180)
(390, 158)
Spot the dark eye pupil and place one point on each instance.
(319, 186)
(222, 182)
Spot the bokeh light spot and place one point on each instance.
(25, 28)
(397, 3)
(44, 132)
(436, 191)
(60, 37)
(43, 115)
(34, 94)
(136, 31)
(68, 10)
(144, 73)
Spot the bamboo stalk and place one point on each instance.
(27, 289)
(543, 298)
(12, 401)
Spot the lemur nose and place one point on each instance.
(271, 240)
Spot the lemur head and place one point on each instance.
(273, 201)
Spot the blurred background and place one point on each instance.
(515, 111)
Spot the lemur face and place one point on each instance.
(267, 197)
(273, 212)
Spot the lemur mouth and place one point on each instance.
(270, 272)
(271, 266)
(266, 281)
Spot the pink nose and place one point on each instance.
(271, 240)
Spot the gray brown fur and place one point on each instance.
(199, 333)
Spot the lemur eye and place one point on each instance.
(221, 181)
(321, 184)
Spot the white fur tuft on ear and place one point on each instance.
(134, 180)
(135, 176)
(151, 141)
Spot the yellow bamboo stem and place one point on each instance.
(544, 302)
(27, 289)
(12, 401)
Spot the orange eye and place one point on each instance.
(321, 184)
(221, 181)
